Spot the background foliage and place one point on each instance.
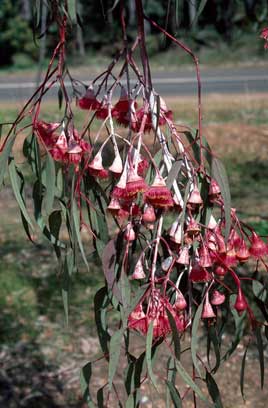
(220, 21)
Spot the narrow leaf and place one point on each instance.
(108, 265)
(261, 353)
(114, 354)
(213, 390)
(173, 174)
(149, 340)
(194, 337)
(242, 373)
(50, 180)
(17, 181)
(219, 174)
(72, 10)
(101, 303)
(189, 381)
(215, 341)
(259, 290)
(4, 155)
(85, 376)
(76, 220)
(201, 7)
(175, 395)
(175, 335)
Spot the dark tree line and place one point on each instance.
(98, 26)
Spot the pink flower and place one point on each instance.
(264, 35)
(46, 131)
(158, 195)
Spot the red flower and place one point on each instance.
(142, 167)
(199, 274)
(124, 110)
(89, 100)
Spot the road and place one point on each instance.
(226, 80)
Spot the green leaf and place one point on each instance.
(173, 174)
(50, 179)
(101, 302)
(194, 336)
(175, 395)
(175, 334)
(239, 329)
(100, 397)
(114, 354)
(259, 290)
(193, 140)
(213, 390)
(108, 266)
(171, 377)
(72, 10)
(215, 341)
(242, 373)
(261, 354)
(68, 268)
(17, 183)
(219, 174)
(149, 340)
(4, 155)
(76, 220)
(85, 376)
(201, 7)
(38, 198)
(189, 381)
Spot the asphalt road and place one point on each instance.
(221, 81)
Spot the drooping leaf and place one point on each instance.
(85, 376)
(199, 11)
(114, 354)
(72, 10)
(17, 182)
(175, 334)
(175, 395)
(173, 174)
(189, 381)
(50, 180)
(4, 155)
(261, 353)
(171, 377)
(194, 336)
(239, 329)
(219, 174)
(100, 397)
(101, 302)
(76, 220)
(213, 391)
(215, 341)
(108, 265)
(38, 199)
(259, 290)
(68, 267)
(149, 340)
(242, 373)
